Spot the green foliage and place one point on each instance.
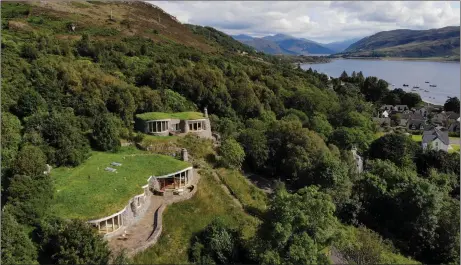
(218, 244)
(397, 148)
(66, 145)
(17, 247)
(11, 138)
(73, 242)
(30, 196)
(320, 124)
(232, 154)
(254, 143)
(105, 135)
(452, 104)
(30, 161)
(297, 227)
(364, 246)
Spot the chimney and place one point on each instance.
(184, 155)
(205, 111)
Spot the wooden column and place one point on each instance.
(113, 225)
(107, 230)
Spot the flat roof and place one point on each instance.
(188, 115)
(90, 192)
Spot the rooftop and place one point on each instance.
(90, 192)
(435, 133)
(189, 115)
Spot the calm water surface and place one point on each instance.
(446, 75)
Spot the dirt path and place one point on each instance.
(140, 232)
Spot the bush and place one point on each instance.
(232, 154)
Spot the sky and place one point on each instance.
(322, 21)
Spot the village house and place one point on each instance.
(435, 139)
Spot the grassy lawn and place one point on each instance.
(90, 192)
(454, 148)
(417, 138)
(183, 220)
(379, 135)
(248, 194)
(190, 115)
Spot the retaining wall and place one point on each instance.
(158, 219)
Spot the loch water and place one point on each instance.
(446, 75)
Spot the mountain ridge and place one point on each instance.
(440, 42)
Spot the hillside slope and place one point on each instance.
(110, 20)
(443, 42)
(339, 46)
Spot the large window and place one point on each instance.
(196, 126)
(158, 126)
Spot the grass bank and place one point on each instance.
(183, 220)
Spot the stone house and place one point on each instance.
(416, 124)
(435, 139)
(164, 124)
(387, 107)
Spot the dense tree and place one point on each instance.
(105, 135)
(254, 143)
(452, 104)
(217, 243)
(297, 227)
(66, 145)
(73, 242)
(30, 161)
(17, 247)
(232, 154)
(11, 138)
(397, 148)
(30, 196)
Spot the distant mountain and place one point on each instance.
(267, 46)
(284, 44)
(340, 46)
(443, 42)
(242, 37)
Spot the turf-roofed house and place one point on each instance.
(113, 190)
(179, 123)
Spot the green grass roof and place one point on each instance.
(105, 193)
(189, 115)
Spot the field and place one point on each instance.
(178, 115)
(90, 192)
(183, 220)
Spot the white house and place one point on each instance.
(385, 114)
(435, 139)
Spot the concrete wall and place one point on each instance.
(158, 221)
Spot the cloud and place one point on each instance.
(322, 21)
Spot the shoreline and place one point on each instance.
(425, 59)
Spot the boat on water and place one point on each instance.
(427, 82)
(415, 86)
(426, 90)
(433, 85)
(413, 89)
(405, 85)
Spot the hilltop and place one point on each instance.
(443, 42)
